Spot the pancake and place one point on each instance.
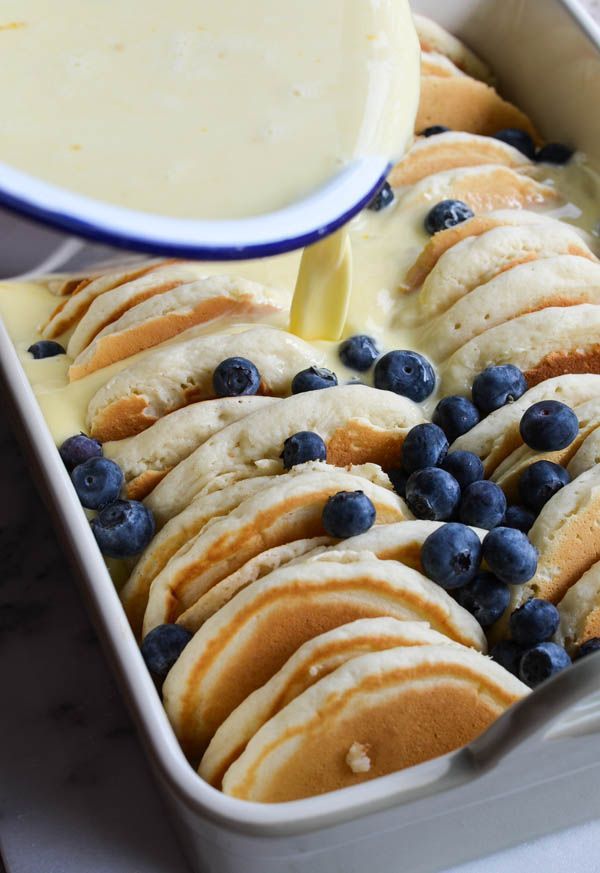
(169, 378)
(508, 473)
(358, 424)
(289, 509)
(148, 456)
(567, 537)
(552, 342)
(444, 240)
(398, 542)
(486, 188)
(436, 64)
(128, 266)
(559, 281)
(247, 641)
(447, 151)
(463, 103)
(142, 282)
(494, 438)
(374, 715)
(311, 662)
(586, 456)
(434, 38)
(477, 260)
(580, 611)
(164, 316)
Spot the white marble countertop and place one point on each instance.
(75, 791)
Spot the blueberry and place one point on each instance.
(589, 647)
(456, 415)
(518, 139)
(451, 555)
(347, 514)
(520, 518)
(77, 449)
(398, 478)
(540, 481)
(383, 198)
(432, 494)
(541, 662)
(508, 654)
(447, 214)
(425, 446)
(302, 447)
(497, 386)
(434, 130)
(406, 373)
(234, 377)
(162, 647)
(549, 426)
(483, 504)
(97, 482)
(464, 466)
(123, 528)
(510, 556)
(313, 379)
(485, 597)
(534, 622)
(554, 153)
(359, 353)
(46, 349)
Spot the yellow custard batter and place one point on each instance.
(217, 109)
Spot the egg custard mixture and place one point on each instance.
(317, 543)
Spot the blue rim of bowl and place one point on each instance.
(74, 225)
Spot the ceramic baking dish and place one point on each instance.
(547, 57)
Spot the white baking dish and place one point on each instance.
(547, 56)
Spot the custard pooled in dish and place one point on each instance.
(342, 559)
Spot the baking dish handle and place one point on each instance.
(528, 722)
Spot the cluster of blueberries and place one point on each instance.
(449, 213)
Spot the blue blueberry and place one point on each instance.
(464, 466)
(313, 379)
(425, 446)
(451, 555)
(456, 415)
(45, 349)
(508, 654)
(510, 556)
(520, 518)
(534, 622)
(549, 426)
(303, 447)
(434, 130)
(123, 528)
(541, 662)
(398, 478)
(447, 214)
(97, 482)
(518, 139)
(77, 449)
(347, 514)
(359, 353)
(162, 646)
(485, 597)
(540, 482)
(483, 504)
(234, 377)
(406, 373)
(383, 198)
(589, 647)
(497, 386)
(432, 494)
(554, 153)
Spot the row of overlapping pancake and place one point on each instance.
(317, 664)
